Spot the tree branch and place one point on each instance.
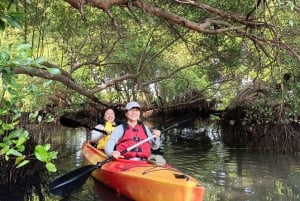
(63, 78)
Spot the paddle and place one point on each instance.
(67, 183)
(75, 124)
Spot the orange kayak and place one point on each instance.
(142, 181)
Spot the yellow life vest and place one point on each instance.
(109, 127)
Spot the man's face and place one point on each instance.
(133, 114)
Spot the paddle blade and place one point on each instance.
(187, 118)
(69, 122)
(69, 182)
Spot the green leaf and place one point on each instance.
(24, 46)
(33, 115)
(7, 141)
(291, 5)
(4, 149)
(13, 22)
(15, 133)
(18, 16)
(47, 83)
(54, 71)
(38, 60)
(51, 167)
(40, 153)
(29, 69)
(19, 159)
(24, 162)
(50, 119)
(24, 133)
(52, 154)
(47, 146)
(2, 25)
(12, 91)
(4, 56)
(13, 152)
(21, 141)
(17, 116)
(3, 144)
(6, 126)
(21, 148)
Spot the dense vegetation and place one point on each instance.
(72, 53)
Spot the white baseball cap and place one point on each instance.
(132, 104)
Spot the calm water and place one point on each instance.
(227, 174)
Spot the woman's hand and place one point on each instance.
(156, 133)
(108, 132)
(116, 154)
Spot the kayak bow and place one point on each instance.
(142, 181)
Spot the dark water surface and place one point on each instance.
(227, 174)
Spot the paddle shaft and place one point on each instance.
(75, 124)
(96, 129)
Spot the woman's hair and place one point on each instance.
(100, 119)
(108, 108)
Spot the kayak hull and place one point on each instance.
(142, 181)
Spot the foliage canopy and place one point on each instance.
(110, 52)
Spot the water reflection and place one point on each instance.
(227, 174)
(25, 190)
(237, 174)
(103, 192)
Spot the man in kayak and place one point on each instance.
(130, 133)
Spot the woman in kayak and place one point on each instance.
(130, 133)
(108, 124)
